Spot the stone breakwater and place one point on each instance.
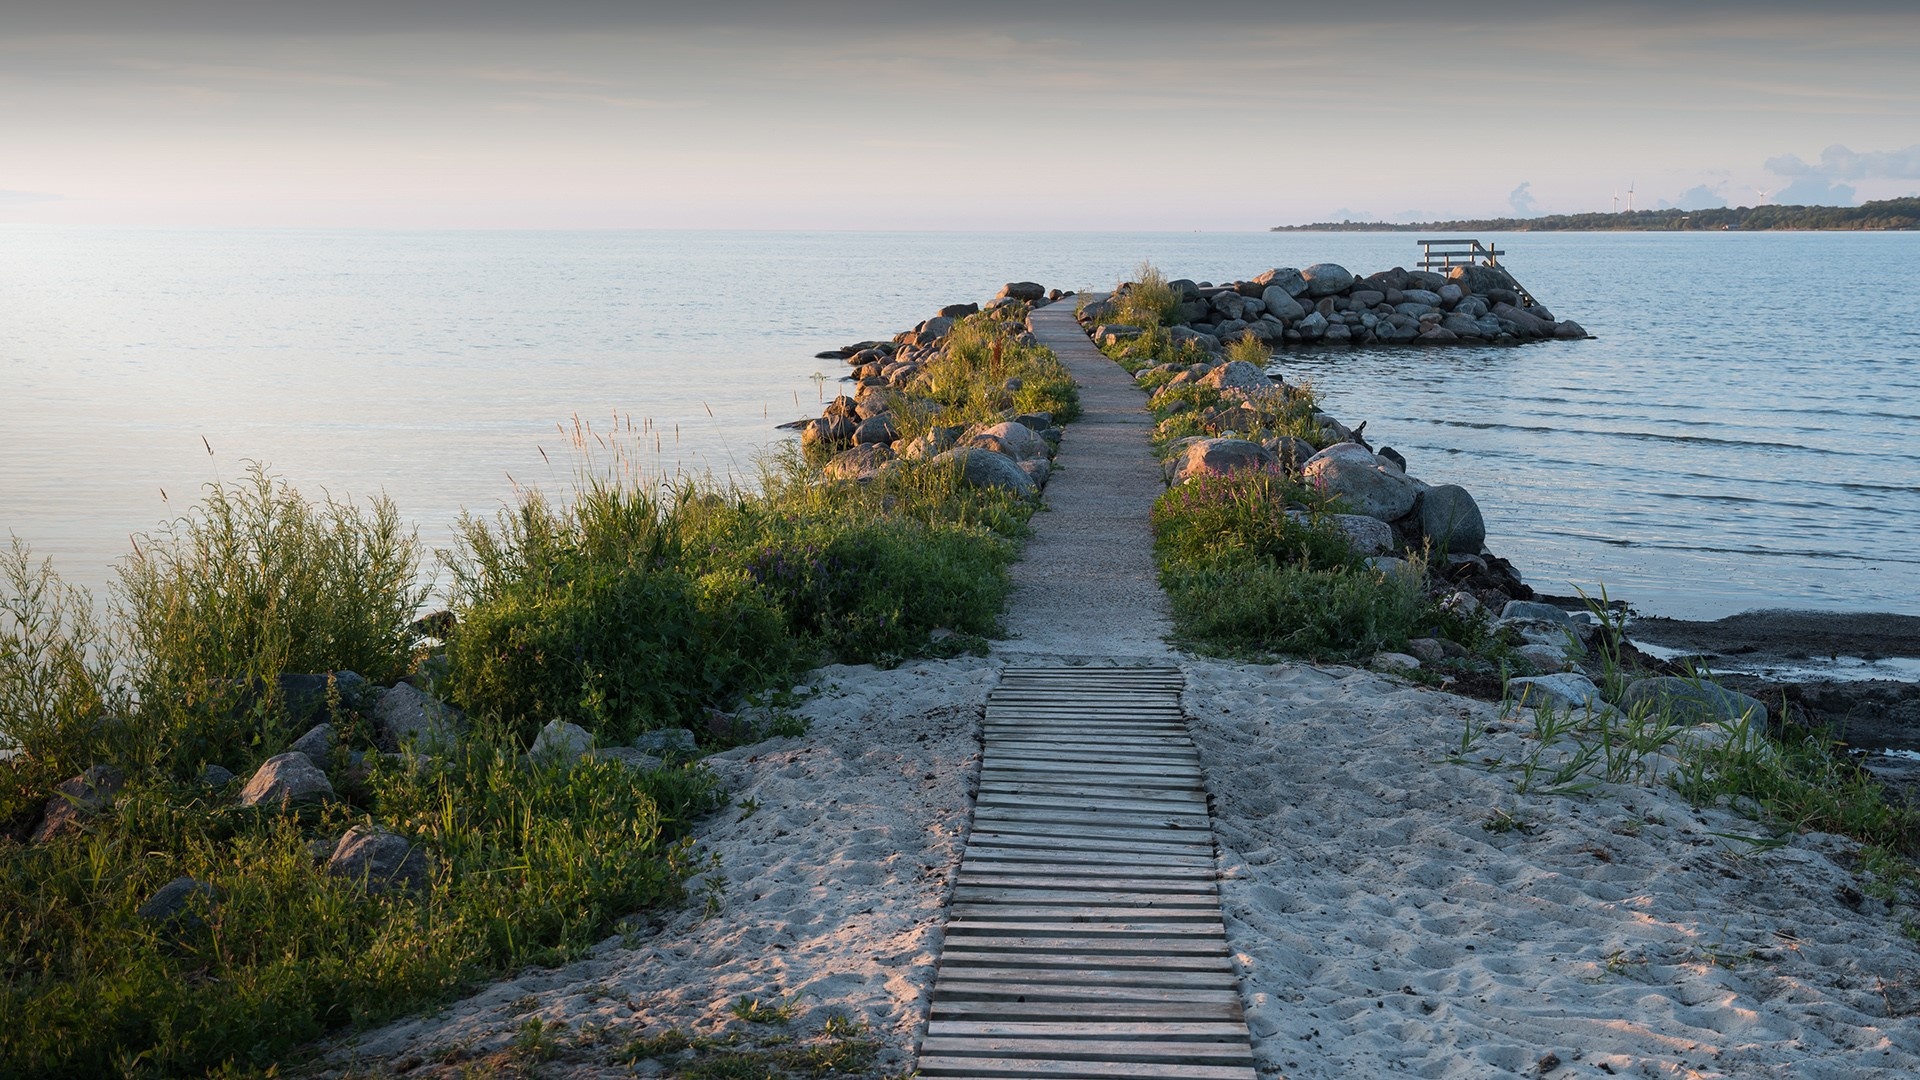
(860, 435)
(1326, 304)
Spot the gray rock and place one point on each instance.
(317, 744)
(1429, 650)
(285, 779)
(1285, 278)
(1536, 611)
(1338, 334)
(986, 469)
(1420, 296)
(1451, 520)
(878, 429)
(828, 433)
(379, 859)
(1115, 333)
(1545, 658)
(1325, 279)
(561, 741)
(1037, 421)
(1280, 304)
(1694, 703)
(76, 799)
(1313, 327)
(860, 464)
(1038, 469)
(1367, 298)
(1366, 535)
(1352, 472)
(928, 445)
(1181, 335)
(1413, 310)
(1526, 320)
(176, 905)
(1218, 457)
(1237, 375)
(216, 776)
(960, 311)
(407, 714)
(1460, 326)
(1567, 690)
(1022, 290)
(1569, 330)
(1481, 279)
(1392, 662)
(667, 741)
(1290, 452)
(1020, 440)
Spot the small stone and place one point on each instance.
(1546, 659)
(172, 906)
(1429, 650)
(667, 741)
(317, 744)
(1535, 611)
(381, 859)
(216, 776)
(560, 740)
(1395, 662)
(77, 799)
(285, 779)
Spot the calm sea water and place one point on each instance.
(1744, 433)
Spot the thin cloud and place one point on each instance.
(242, 73)
(531, 76)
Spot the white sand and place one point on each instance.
(1381, 928)
(1378, 926)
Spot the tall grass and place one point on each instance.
(1147, 300)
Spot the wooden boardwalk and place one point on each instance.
(1084, 936)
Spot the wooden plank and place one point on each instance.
(1033, 858)
(1031, 1069)
(1166, 1030)
(1193, 884)
(982, 989)
(1088, 978)
(1113, 1011)
(1100, 913)
(1113, 815)
(1109, 929)
(1072, 788)
(1187, 897)
(1065, 944)
(1057, 1049)
(960, 957)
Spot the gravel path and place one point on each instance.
(1087, 587)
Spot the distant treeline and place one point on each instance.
(1884, 214)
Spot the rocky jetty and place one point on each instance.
(861, 434)
(1326, 304)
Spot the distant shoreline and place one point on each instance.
(1886, 215)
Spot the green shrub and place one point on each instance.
(1244, 514)
(982, 355)
(588, 614)
(1148, 300)
(1238, 606)
(254, 582)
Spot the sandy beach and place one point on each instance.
(1393, 906)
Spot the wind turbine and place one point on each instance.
(1762, 194)
(1629, 196)
(1616, 200)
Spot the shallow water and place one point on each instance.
(1741, 435)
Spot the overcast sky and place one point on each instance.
(1067, 114)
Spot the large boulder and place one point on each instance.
(407, 714)
(317, 744)
(1481, 279)
(828, 433)
(77, 799)
(379, 859)
(1181, 335)
(860, 464)
(285, 779)
(1285, 278)
(1529, 323)
(1565, 692)
(876, 429)
(986, 469)
(176, 906)
(1325, 279)
(1237, 375)
(1020, 440)
(1022, 290)
(1281, 305)
(1365, 535)
(1352, 472)
(1451, 520)
(1694, 702)
(1218, 457)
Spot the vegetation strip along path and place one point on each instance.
(1084, 938)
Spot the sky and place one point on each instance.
(1057, 114)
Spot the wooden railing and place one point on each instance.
(1444, 255)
